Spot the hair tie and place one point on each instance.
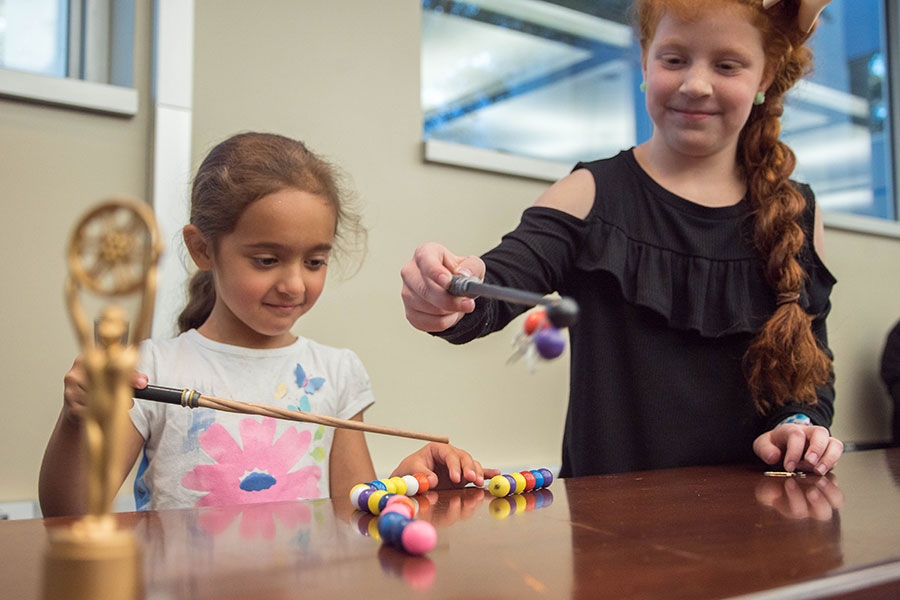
(787, 298)
(809, 11)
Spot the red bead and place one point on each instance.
(529, 480)
(423, 483)
(534, 320)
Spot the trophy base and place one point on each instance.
(92, 560)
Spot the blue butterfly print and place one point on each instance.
(310, 385)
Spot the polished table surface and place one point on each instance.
(700, 532)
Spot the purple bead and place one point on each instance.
(538, 478)
(548, 477)
(512, 484)
(549, 342)
(362, 503)
(390, 527)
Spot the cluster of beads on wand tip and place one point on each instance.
(397, 526)
(538, 336)
(516, 483)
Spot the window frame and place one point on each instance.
(100, 63)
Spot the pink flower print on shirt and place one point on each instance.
(260, 472)
(258, 521)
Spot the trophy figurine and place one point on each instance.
(112, 255)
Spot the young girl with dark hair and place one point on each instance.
(696, 261)
(266, 216)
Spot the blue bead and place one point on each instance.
(390, 527)
(378, 485)
(538, 478)
(383, 502)
(548, 477)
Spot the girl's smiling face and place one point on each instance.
(702, 76)
(270, 270)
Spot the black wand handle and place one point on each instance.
(168, 395)
(562, 312)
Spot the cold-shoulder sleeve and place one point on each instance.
(536, 257)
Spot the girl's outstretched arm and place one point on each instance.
(350, 462)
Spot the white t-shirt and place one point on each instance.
(206, 457)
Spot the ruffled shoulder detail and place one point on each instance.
(697, 270)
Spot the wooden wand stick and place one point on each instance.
(194, 399)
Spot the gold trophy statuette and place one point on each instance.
(112, 254)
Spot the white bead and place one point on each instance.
(412, 485)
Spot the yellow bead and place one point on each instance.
(499, 486)
(520, 482)
(374, 498)
(499, 508)
(520, 502)
(399, 485)
(389, 485)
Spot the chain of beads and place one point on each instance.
(516, 483)
(397, 527)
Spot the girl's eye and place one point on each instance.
(265, 261)
(671, 61)
(316, 263)
(729, 67)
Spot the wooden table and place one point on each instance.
(704, 532)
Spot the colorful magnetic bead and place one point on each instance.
(520, 482)
(399, 485)
(390, 526)
(400, 509)
(499, 486)
(535, 319)
(356, 490)
(499, 508)
(378, 485)
(519, 501)
(374, 501)
(389, 485)
(418, 537)
(362, 500)
(398, 499)
(423, 483)
(538, 478)
(382, 502)
(548, 477)
(529, 480)
(412, 485)
(549, 342)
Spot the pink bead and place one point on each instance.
(419, 537)
(398, 507)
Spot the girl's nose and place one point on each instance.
(696, 83)
(291, 282)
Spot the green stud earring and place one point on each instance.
(759, 98)
(643, 86)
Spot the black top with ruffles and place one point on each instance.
(671, 293)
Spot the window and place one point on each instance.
(531, 87)
(51, 49)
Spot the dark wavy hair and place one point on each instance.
(241, 170)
